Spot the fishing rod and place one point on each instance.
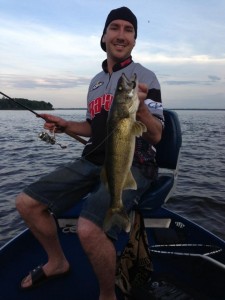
(50, 140)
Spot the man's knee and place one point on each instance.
(25, 204)
(87, 230)
(20, 201)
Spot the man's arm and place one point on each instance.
(72, 128)
(78, 128)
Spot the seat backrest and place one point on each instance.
(169, 147)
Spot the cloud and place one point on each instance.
(214, 78)
(180, 82)
(37, 48)
(191, 82)
(146, 52)
(15, 81)
(52, 52)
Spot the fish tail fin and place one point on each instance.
(116, 216)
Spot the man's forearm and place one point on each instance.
(78, 128)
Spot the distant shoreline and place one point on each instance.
(83, 108)
(196, 108)
(70, 108)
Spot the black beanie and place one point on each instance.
(122, 13)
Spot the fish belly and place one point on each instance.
(119, 159)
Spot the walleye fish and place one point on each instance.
(122, 129)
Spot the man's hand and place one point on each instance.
(142, 92)
(154, 127)
(54, 123)
(142, 95)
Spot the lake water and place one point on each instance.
(200, 191)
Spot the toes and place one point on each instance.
(26, 281)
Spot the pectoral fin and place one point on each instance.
(130, 183)
(103, 177)
(138, 128)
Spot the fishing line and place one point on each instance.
(97, 146)
(44, 136)
(102, 142)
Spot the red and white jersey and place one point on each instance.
(100, 96)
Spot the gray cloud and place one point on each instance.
(14, 81)
(180, 82)
(214, 78)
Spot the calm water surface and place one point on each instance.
(200, 191)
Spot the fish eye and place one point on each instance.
(134, 84)
(120, 88)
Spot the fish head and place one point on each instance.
(127, 91)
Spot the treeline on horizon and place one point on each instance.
(7, 104)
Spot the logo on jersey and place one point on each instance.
(97, 85)
(153, 104)
(96, 105)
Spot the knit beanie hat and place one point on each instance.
(122, 13)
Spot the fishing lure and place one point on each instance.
(44, 136)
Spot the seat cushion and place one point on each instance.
(156, 195)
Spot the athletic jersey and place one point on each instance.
(100, 96)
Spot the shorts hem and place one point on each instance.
(86, 215)
(35, 196)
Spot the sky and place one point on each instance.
(50, 50)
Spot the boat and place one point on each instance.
(188, 260)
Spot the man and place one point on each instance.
(61, 189)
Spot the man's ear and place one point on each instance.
(103, 38)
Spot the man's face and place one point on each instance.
(119, 39)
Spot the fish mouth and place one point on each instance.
(128, 83)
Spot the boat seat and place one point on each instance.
(167, 159)
(168, 150)
(157, 194)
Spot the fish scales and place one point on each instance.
(122, 129)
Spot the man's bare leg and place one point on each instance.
(102, 255)
(43, 227)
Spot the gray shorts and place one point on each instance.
(63, 188)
